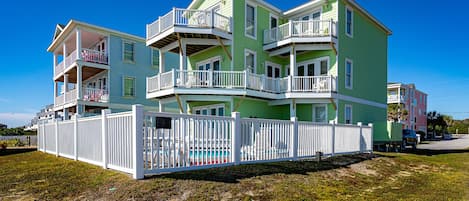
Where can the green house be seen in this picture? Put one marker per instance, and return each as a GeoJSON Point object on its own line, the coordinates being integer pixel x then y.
{"type": "Point", "coordinates": [323, 61]}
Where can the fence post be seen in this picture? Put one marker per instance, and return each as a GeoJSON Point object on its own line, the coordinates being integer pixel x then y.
{"type": "Point", "coordinates": [371, 138]}
{"type": "Point", "coordinates": [294, 138]}
{"type": "Point", "coordinates": [75, 136]}
{"type": "Point", "coordinates": [104, 135]}
{"type": "Point", "coordinates": [56, 138]}
{"type": "Point", "coordinates": [137, 139]}
{"type": "Point", "coordinates": [360, 141]}
{"type": "Point", "coordinates": [333, 137]}
{"type": "Point", "coordinates": [44, 136]}
{"type": "Point", "coordinates": [236, 138]}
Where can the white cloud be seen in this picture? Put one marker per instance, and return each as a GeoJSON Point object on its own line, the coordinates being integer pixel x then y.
{"type": "Point", "coordinates": [15, 119]}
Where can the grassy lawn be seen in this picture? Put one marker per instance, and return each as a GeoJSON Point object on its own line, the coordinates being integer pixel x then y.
{"type": "Point", "coordinates": [387, 176]}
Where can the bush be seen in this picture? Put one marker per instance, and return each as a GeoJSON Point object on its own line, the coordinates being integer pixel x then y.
{"type": "Point", "coordinates": [3, 145]}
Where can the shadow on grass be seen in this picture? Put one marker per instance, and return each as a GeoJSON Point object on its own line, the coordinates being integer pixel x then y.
{"type": "Point", "coordinates": [429, 152]}
{"type": "Point", "coordinates": [11, 151]}
{"type": "Point", "coordinates": [232, 174]}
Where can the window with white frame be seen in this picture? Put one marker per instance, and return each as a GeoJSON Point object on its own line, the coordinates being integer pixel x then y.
{"type": "Point", "coordinates": [349, 22]}
{"type": "Point", "coordinates": [250, 22]}
{"type": "Point", "coordinates": [155, 58]}
{"type": "Point", "coordinates": [348, 114]}
{"type": "Point", "coordinates": [128, 86]}
{"type": "Point", "coordinates": [348, 74]}
{"type": "Point", "coordinates": [250, 60]}
{"type": "Point", "coordinates": [272, 69]}
{"type": "Point", "coordinates": [320, 113]}
{"type": "Point", "coordinates": [128, 53]}
{"type": "Point", "coordinates": [210, 110]}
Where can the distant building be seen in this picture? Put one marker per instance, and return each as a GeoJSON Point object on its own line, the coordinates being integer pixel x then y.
{"type": "Point", "coordinates": [47, 113]}
{"type": "Point", "coordinates": [3, 126]}
{"type": "Point", "coordinates": [412, 100]}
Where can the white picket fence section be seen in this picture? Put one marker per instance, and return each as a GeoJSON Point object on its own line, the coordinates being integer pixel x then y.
{"type": "Point", "coordinates": [145, 143]}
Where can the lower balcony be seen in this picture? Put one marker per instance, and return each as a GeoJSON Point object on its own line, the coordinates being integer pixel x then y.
{"type": "Point", "coordinates": [241, 83]}
{"type": "Point", "coordinates": [90, 95]}
{"type": "Point", "coordinates": [395, 99]}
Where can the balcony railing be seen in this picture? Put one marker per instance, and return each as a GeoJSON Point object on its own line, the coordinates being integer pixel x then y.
{"type": "Point", "coordinates": [240, 80]}
{"type": "Point", "coordinates": [395, 98]}
{"type": "Point", "coordinates": [301, 29]}
{"type": "Point", "coordinates": [89, 94]}
{"type": "Point", "coordinates": [189, 18]}
{"type": "Point", "coordinates": [87, 55]}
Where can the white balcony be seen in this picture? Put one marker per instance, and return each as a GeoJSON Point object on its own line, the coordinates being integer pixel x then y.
{"type": "Point", "coordinates": [87, 55]}
{"type": "Point", "coordinates": [89, 95]}
{"type": "Point", "coordinates": [396, 99]}
{"type": "Point", "coordinates": [184, 23]}
{"type": "Point", "coordinates": [238, 83]}
{"type": "Point", "coordinates": [309, 31]}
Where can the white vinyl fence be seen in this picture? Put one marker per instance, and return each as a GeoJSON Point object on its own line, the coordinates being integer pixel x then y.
{"type": "Point", "coordinates": [144, 143]}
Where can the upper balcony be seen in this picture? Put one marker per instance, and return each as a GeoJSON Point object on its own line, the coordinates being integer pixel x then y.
{"type": "Point", "coordinates": [240, 83]}
{"type": "Point", "coordinates": [184, 23]}
{"type": "Point", "coordinates": [305, 32]}
{"type": "Point", "coordinates": [88, 48]}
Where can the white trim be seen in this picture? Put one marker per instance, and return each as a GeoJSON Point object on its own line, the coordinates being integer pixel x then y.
{"type": "Point", "coordinates": [347, 60]}
{"type": "Point", "coordinates": [314, 112]}
{"type": "Point", "coordinates": [123, 51]}
{"type": "Point", "coordinates": [345, 113]}
{"type": "Point", "coordinates": [123, 86]}
{"type": "Point", "coordinates": [245, 19]}
{"type": "Point", "coordinates": [270, 20]}
{"type": "Point", "coordinates": [274, 66]}
{"type": "Point", "coordinates": [255, 59]}
{"type": "Point", "coordinates": [208, 108]}
{"type": "Point", "coordinates": [348, 8]}
{"type": "Point", "coordinates": [210, 60]}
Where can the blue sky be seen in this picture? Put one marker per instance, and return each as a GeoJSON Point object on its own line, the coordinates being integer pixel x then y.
{"type": "Point", "coordinates": [428, 46]}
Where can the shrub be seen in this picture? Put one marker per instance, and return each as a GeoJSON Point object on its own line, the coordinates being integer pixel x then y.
{"type": "Point", "coordinates": [3, 145]}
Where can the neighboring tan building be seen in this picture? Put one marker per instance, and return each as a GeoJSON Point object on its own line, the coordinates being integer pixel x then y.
{"type": "Point", "coordinates": [412, 100]}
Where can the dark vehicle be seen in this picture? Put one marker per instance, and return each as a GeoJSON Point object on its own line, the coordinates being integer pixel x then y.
{"type": "Point", "coordinates": [409, 138]}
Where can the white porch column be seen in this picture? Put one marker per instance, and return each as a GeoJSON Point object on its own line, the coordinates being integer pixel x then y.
{"type": "Point", "coordinates": [292, 108]}
{"type": "Point", "coordinates": [292, 61]}
{"type": "Point", "coordinates": [55, 60]}
{"type": "Point", "coordinates": [162, 65]}
{"type": "Point", "coordinates": [78, 45]}
{"type": "Point", "coordinates": [55, 91]}
{"type": "Point", "coordinates": [183, 57]}
{"type": "Point", "coordinates": [65, 90]}
{"type": "Point", "coordinates": [79, 80]}
{"type": "Point", "coordinates": [160, 106]}
{"type": "Point", "coordinates": [64, 55]}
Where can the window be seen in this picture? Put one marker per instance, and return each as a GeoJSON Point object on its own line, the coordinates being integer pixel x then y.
{"type": "Point", "coordinates": [210, 110]}
{"type": "Point", "coordinates": [155, 58]}
{"type": "Point", "coordinates": [320, 114]}
{"type": "Point", "coordinates": [129, 87]}
{"type": "Point", "coordinates": [348, 74]}
{"type": "Point", "coordinates": [349, 22]}
{"type": "Point", "coordinates": [324, 67]}
{"type": "Point", "coordinates": [348, 114]}
{"type": "Point", "coordinates": [250, 60]}
{"type": "Point", "coordinates": [250, 25]}
{"type": "Point", "coordinates": [272, 70]}
{"type": "Point", "coordinates": [128, 52]}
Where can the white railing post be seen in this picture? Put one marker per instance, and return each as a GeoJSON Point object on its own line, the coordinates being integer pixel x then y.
{"type": "Point", "coordinates": [174, 16]}
{"type": "Point", "coordinates": [75, 137]}
{"type": "Point", "coordinates": [371, 137]}
{"type": "Point", "coordinates": [360, 141]}
{"type": "Point", "coordinates": [159, 24]}
{"type": "Point", "coordinates": [159, 81]}
{"type": "Point", "coordinates": [263, 82]}
{"type": "Point", "coordinates": [104, 135]}
{"type": "Point", "coordinates": [290, 28]}
{"type": "Point", "coordinates": [210, 78]}
{"type": "Point", "coordinates": [236, 138]}
{"type": "Point", "coordinates": [289, 84]}
{"type": "Point", "coordinates": [245, 79]}
{"type": "Point", "coordinates": [173, 72]}
{"type": "Point", "coordinates": [137, 140]}
{"type": "Point", "coordinates": [294, 138]}
{"type": "Point", "coordinates": [332, 137]}
{"type": "Point", "coordinates": [56, 138]}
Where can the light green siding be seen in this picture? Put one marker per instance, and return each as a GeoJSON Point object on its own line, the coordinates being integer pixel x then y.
{"type": "Point", "coordinates": [225, 6]}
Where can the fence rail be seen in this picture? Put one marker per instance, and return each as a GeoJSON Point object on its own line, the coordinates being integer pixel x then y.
{"type": "Point", "coordinates": [240, 79]}
{"type": "Point", "coordinates": [145, 143]}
